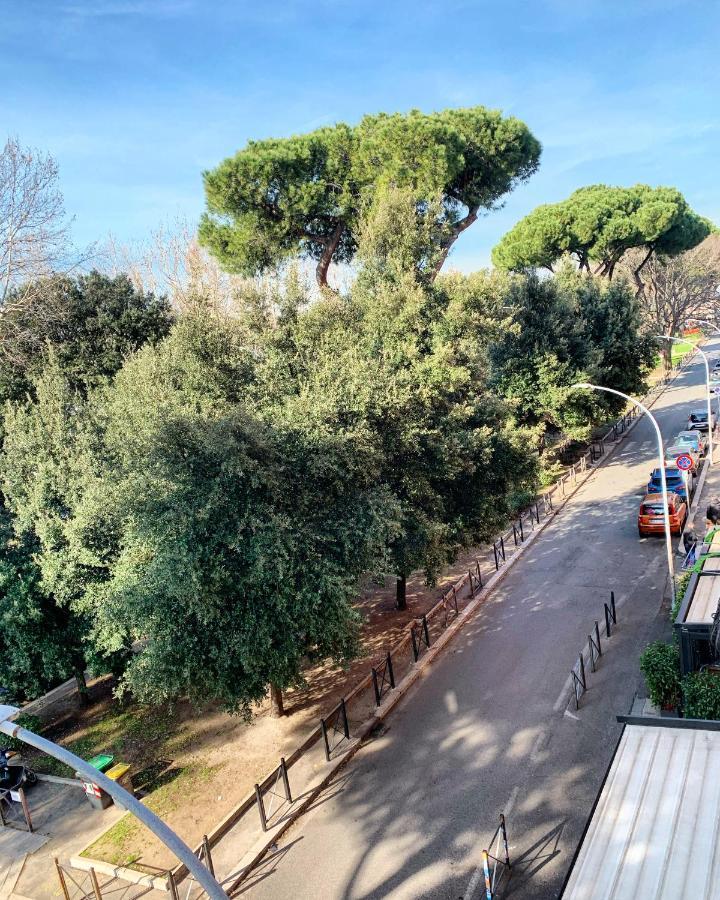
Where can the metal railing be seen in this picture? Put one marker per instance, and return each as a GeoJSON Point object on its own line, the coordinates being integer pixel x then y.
{"type": "Point", "coordinates": [335, 729]}
{"type": "Point", "coordinates": [266, 813]}
{"type": "Point", "coordinates": [383, 677]}
{"type": "Point", "coordinates": [578, 675]}
{"type": "Point", "coordinates": [84, 884]}
{"type": "Point", "coordinates": [500, 858]}
{"type": "Point", "coordinates": [14, 810]}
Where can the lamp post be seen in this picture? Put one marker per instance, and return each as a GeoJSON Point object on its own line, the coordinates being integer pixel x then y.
{"type": "Point", "coordinates": [715, 330]}
{"type": "Point", "coordinates": [181, 850]}
{"type": "Point", "coordinates": [661, 458]}
{"type": "Point", "coordinates": [669, 337]}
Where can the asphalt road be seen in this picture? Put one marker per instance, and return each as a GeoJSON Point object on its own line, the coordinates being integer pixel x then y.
{"type": "Point", "coordinates": [489, 729]}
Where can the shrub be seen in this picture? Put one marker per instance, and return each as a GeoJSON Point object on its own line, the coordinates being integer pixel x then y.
{"type": "Point", "coordinates": [660, 664]}
{"type": "Point", "coordinates": [701, 695]}
{"type": "Point", "coordinates": [680, 589]}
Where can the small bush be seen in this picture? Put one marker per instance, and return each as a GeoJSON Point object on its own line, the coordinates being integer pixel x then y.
{"type": "Point", "coordinates": [701, 695]}
{"type": "Point", "coordinates": [660, 664]}
{"type": "Point", "coordinates": [31, 723]}
{"type": "Point", "coordinates": [680, 589]}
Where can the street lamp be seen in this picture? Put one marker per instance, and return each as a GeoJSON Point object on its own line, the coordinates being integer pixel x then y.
{"type": "Point", "coordinates": [715, 329]}
{"type": "Point", "coordinates": [124, 798]}
{"type": "Point", "coordinates": [668, 337]}
{"type": "Point", "coordinates": [663, 480]}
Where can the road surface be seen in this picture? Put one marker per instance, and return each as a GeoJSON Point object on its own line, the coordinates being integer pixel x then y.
{"type": "Point", "coordinates": [489, 729]}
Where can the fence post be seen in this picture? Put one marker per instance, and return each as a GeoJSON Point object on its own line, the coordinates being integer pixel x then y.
{"type": "Point", "coordinates": [61, 877]}
{"type": "Point", "coordinates": [597, 636]}
{"type": "Point", "coordinates": [537, 512]}
{"type": "Point", "coordinates": [286, 780]}
{"type": "Point", "coordinates": [612, 607]}
{"type": "Point", "coordinates": [607, 621]}
{"type": "Point", "coordinates": [425, 629]}
{"type": "Point", "coordinates": [95, 885]}
{"type": "Point", "coordinates": [323, 727]}
{"type": "Point", "coordinates": [376, 686]}
{"type": "Point", "coordinates": [497, 565]}
{"type": "Point", "coordinates": [486, 871]}
{"type": "Point", "coordinates": [346, 724]}
{"type": "Point", "coordinates": [522, 534]}
{"type": "Point", "coordinates": [391, 674]}
{"type": "Point", "coordinates": [25, 808]}
{"type": "Point", "coordinates": [582, 672]}
{"type": "Point", "coordinates": [416, 651]}
{"type": "Point", "coordinates": [479, 573]}
{"type": "Point", "coordinates": [172, 887]}
{"type": "Point", "coordinates": [514, 534]}
{"type": "Point", "coordinates": [261, 804]}
{"type": "Point", "coordinates": [502, 547]}
{"type": "Point", "coordinates": [505, 839]}
{"type": "Point", "coordinates": [208, 855]}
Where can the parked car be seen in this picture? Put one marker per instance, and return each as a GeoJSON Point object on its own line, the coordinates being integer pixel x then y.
{"type": "Point", "coordinates": [698, 440]}
{"type": "Point", "coordinates": [651, 516]}
{"type": "Point", "coordinates": [675, 482]}
{"type": "Point", "coordinates": [699, 420]}
{"type": "Point", "coordinates": [672, 453]}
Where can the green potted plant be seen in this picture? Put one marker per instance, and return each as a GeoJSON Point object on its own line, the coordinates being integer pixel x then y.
{"type": "Point", "coordinates": [701, 695]}
{"type": "Point", "coordinates": [660, 664]}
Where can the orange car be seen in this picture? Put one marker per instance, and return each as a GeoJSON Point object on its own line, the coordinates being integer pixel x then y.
{"type": "Point", "coordinates": [651, 518]}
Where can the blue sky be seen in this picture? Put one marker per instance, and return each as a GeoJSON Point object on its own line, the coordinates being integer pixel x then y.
{"type": "Point", "coordinates": [135, 98]}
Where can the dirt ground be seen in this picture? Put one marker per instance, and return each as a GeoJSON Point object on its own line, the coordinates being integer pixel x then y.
{"type": "Point", "coordinates": [194, 765]}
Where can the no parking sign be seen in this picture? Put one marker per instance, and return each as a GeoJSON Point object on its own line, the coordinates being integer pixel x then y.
{"type": "Point", "coordinates": [684, 462]}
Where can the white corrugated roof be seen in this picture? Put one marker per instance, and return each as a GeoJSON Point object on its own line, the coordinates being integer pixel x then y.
{"type": "Point", "coordinates": [655, 833]}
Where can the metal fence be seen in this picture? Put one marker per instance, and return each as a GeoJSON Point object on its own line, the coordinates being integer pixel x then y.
{"type": "Point", "coordinates": [14, 810]}
{"type": "Point", "coordinates": [578, 674]}
{"type": "Point", "coordinates": [496, 864]}
{"type": "Point", "coordinates": [277, 800]}
{"type": "Point", "coordinates": [84, 884]}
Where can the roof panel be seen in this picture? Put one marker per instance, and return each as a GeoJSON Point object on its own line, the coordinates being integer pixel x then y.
{"type": "Point", "coordinates": [655, 832]}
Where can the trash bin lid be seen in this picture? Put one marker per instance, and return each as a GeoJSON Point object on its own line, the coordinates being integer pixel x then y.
{"type": "Point", "coordinates": [117, 771]}
{"type": "Point", "coordinates": [101, 761]}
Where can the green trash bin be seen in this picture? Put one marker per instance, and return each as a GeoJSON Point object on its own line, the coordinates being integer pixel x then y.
{"type": "Point", "coordinates": [97, 797]}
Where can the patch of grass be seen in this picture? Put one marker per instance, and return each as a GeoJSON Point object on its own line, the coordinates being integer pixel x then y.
{"type": "Point", "coordinates": [119, 844]}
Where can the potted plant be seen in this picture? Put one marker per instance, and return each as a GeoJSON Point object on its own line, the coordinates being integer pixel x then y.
{"type": "Point", "coordinates": [701, 695]}
{"type": "Point", "coordinates": [660, 664]}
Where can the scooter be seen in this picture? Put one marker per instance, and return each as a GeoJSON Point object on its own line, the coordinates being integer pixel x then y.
{"type": "Point", "coordinates": [14, 777]}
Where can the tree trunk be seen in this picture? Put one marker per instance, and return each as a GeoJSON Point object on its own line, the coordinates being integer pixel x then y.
{"type": "Point", "coordinates": [401, 592]}
{"type": "Point", "coordinates": [82, 687]}
{"type": "Point", "coordinates": [454, 235]}
{"type": "Point", "coordinates": [331, 246]}
{"type": "Point", "coordinates": [667, 356]}
{"type": "Point", "coordinates": [276, 702]}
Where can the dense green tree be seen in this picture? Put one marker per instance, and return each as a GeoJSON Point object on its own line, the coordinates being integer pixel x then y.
{"type": "Point", "coordinates": [168, 511]}
{"type": "Point", "coordinates": [40, 643]}
{"type": "Point", "coordinates": [278, 199]}
{"type": "Point", "coordinates": [598, 225]}
{"type": "Point", "coordinates": [91, 323]}
{"type": "Point", "coordinates": [397, 360]}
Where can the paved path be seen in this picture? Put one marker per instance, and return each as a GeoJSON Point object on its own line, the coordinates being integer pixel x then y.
{"type": "Point", "coordinates": [489, 729]}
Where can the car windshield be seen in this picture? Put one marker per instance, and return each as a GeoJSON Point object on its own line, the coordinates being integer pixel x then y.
{"type": "Point", "coordinates": [688, 437]}
{"type": "Point", "coordinates": [698, 417]}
